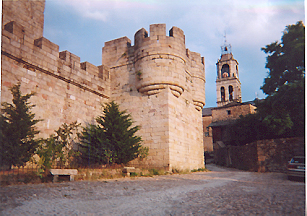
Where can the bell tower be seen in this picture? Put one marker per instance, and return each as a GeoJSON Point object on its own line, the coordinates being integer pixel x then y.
{"type": "Point", "coordinates": [228, 85]}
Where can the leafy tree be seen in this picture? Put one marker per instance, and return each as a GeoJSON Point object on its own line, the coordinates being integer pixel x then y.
{"type": "Point", "coordinates": [18, 129]}
{"type": "Point", "coordinates": [58, 149]}
{"type": "Point", "coordinates": [283, 109]}
{"type": "Point", "coordinates": [286, 60]}
{"type": "Point", "coordinates": [282, 112]}
{"type": "Point", "coordinates": [112, 140]}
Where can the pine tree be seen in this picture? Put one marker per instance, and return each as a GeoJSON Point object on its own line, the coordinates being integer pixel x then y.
{"type": "Point", "coordinates": [113, 139]}
{"type": "Point", "coordinates": [18, 132]}
{"type": "Point", "coordinates": [92, 146]}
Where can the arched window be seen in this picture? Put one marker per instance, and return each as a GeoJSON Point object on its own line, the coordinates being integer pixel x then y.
{"type": "Point", "coordinates": [222, 93]}
{"type": "Point", "coordinates": [225, 70]}
{"type": "Point", "coordinates": [230, 90]}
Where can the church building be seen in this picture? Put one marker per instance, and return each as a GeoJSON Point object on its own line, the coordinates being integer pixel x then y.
{"type": "Point", "coordinates": [218, 120]}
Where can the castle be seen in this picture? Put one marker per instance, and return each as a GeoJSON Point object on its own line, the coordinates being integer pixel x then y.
{"type": "Point", "coordinates": [157, 80]}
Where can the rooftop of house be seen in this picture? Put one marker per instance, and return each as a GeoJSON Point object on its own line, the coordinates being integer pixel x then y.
{"type": "Point", "coordinates": [207, 111]}
{"type": "Point", "coordinates": [235, 103]}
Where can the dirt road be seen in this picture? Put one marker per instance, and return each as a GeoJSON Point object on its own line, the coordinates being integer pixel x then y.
{"type": "Point", "coordinates": [221, 191]}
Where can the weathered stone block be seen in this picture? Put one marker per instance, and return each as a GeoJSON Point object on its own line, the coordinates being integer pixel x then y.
{"type": "Point", "coordinates": [46, 45]}
{"type": "Point", "coordinates": [15, 28]}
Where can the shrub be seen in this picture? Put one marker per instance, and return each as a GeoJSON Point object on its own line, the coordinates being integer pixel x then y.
{"type": "Point", "coordinates": [112, 140]}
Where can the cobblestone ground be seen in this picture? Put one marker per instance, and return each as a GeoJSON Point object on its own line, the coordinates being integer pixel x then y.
{"type": "Point", "coordinates": [221, 191]}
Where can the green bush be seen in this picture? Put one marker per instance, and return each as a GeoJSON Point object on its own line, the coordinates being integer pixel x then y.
{"type": "Point", "coordinates": [57, 149]}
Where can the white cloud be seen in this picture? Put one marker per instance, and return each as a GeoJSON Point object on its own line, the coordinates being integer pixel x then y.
{"type": "Point", "coordinates": [97, 15]}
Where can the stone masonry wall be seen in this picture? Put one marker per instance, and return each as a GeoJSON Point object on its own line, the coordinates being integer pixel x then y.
{"type": "Point", "coordinates": [27, 15]}
{"type": "Point", "coordinates": [270, 155]}
{"type": "Point", "coordinates": [274, 154]}
{"type": "Point", "coordinates": [208, 143]}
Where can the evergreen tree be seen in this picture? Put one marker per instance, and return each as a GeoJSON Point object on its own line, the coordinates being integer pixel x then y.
{"type": "Point", "coordinates": [17, 129]}
{"type": "Point", "coordinates": [92, 145]}
{"type": "Point", "coordinates": [113, 139]}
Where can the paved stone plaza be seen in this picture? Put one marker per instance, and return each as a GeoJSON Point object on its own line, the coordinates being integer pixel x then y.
{"type": "Point", "coordinates": [221, 191]}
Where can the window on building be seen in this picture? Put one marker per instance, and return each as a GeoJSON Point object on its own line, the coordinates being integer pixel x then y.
{"type": "Point", "coordinates": [230, 90]}
{"type": "Point", "coordinates": [222, 93]}
{"type": "Point", "coordinates": [225, 71]}
{"type": "Point", "coordinates": [228, 112]}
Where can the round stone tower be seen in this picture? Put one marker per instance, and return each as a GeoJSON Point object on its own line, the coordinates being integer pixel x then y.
{"type": "Point", "coordinates": [162, 61]}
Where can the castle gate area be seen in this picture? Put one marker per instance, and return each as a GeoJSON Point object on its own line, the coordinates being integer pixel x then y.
{"type": "Point", "coordinates": [222, 191]}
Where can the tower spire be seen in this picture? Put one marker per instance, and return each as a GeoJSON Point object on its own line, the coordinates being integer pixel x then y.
{"type": "Point", "coordinates": [226, 48]}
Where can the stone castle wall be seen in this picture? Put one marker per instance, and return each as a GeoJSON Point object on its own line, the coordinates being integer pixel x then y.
{"type": "Point", "coordinates": [158, 81]}
{"type": "Point", "coordinates": [66, 90]}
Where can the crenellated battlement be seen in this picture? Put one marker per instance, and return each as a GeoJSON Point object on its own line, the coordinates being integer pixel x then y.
{"type": "Point", "coordinates": [43, 55]}
{"type": "Point", "coordinates": [159, 62]}
{"type": "Point", "coordinates": [174, 43]}
{"type": "Point", "coordinates": [158, 32]}
{"type": "Point", "coordinates": [116, 51]}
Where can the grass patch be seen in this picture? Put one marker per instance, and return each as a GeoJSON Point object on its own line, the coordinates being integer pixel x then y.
{"type": "Point", "coordinates": [157, 171]}
{"type": "Point", "coordinates": [90, 175]}
{"type": "Point", "coordinates": [200, 170]}
{"type": "Point", "coordinates": [133, 174]}
{"type": "Point", "coordinates": [23, 178]}
{"type": "Point", "coordinates": [179, 171]}
{"type": "Point", "coordinates": [97, 174]}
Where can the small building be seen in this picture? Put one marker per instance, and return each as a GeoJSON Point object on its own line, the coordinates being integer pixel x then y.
{"type": "Point", "coordinates": [207, 120]}
{"type": "Point", "coordinates": [222, 119]}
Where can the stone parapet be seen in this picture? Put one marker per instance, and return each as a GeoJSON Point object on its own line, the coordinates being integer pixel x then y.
{"type": "Point", "coordinates": [115, 53]}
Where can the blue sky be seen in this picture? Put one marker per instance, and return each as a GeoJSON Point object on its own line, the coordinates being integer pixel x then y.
{"type": "Point", "coordinates": [83, 26]}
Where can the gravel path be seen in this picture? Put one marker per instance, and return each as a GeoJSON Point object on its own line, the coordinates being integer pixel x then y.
{"type": "Point", "coordinates": [222, 191]}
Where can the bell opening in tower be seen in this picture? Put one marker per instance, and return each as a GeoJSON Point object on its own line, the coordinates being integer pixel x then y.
{"type": "Point", "coordinates": [225, 71]}
{"type": "Point", "coordinates": [230, 90]}
{"type": "Point", "coordinates": [222, 94]}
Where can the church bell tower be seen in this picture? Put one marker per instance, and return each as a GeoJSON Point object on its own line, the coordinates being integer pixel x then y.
{"type": "Point", "coordinates": [228, 86]}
